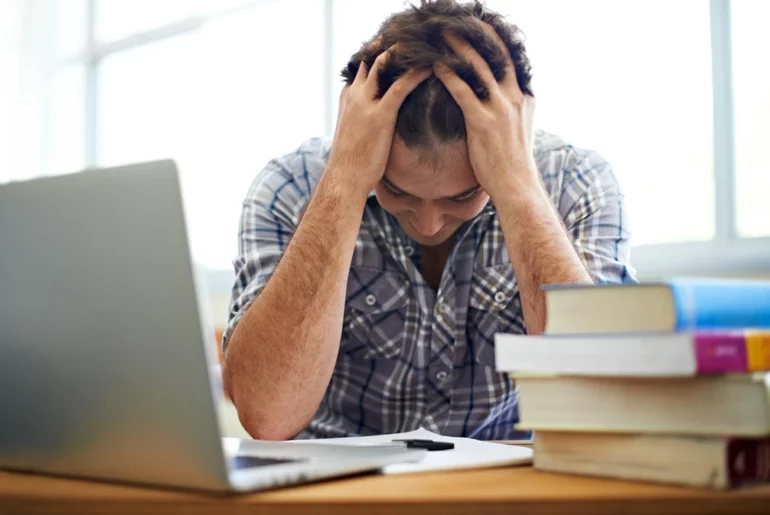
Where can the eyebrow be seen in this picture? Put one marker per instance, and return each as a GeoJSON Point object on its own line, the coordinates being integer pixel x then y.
{"type": "Point", "coordinates": [460, 195]}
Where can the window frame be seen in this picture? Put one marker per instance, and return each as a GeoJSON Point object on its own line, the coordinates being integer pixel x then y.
{"type": "Point", "coordinates": [726, 254]}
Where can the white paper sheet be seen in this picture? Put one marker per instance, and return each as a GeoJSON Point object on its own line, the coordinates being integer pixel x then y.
{"type": "Point", "coordinates": [467, 454]}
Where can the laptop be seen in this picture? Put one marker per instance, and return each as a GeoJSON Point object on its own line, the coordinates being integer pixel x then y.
{"type": "Point", "coordinates": [105, 358]}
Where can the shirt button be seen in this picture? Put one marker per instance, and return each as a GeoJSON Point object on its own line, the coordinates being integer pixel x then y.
{"type": "Point", "coordinates": [443, 308]}
{"type": "Point", "coordinates": [499, 297]}
{"type": "Point", "coordinates": [441, 375]}
{"type": "Point", "coordinates": [371, 300]}
{"type": "Point", "coordinates": [409, 251]}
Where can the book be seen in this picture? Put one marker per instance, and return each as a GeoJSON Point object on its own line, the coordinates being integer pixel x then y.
{"type": "Point", "coordinates": [635, 354]}
{"type": "Point", "coordinates": [734, 405]}
{"type": "Point", "coordinates": [677, 305]}
{"type": "Point", "coordinates": [710, 462]}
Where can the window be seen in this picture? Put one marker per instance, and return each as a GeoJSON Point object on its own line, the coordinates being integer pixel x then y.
{"type": "Point", "coordinates": [220, 101]}
{"type": "Point", "coordinates": [42, 93]}
{"type": "Point", "coordinates": [672, 94]}
{"type": "Point", "coordinates": [624, 80]}
{"type": "Point", "coordinates": [65, 132]}
{"type": "Point", "coordinates": [117, 19]}
{"type": "Point", "coordinates": [751, 86]}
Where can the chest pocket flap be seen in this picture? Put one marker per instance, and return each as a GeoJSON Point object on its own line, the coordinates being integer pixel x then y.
{"type": "Point", "coordinates": [496, 308]}
{"type": "Point", "coordinates": [375, 313]}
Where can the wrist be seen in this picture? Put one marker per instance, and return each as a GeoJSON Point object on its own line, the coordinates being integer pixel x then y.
{"type": "Point", "coordinates": [346, 185]}
{"type": "Point", "coordinates": [526, 204]}
{"type": "Point", "coordinates": [521, 186]}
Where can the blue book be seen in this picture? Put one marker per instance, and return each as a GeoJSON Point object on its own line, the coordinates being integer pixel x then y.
{"type": "Point", "coordinates": [676, 305]}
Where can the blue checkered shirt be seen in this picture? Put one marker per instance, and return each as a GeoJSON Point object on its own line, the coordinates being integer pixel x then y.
{"type": "Point", "coordinates": [411, 356]}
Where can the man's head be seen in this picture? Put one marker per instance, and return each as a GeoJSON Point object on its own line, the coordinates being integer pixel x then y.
{"type": "Point", "coordinates": [429, 185]}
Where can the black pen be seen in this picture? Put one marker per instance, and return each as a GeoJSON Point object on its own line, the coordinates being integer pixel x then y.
{"type": "Point", "coordinates": [430, 445]}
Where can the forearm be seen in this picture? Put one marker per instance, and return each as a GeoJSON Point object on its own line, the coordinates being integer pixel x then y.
{"type": "Point", "coordinates": [540, 249]}
{"type": "Point", "coordinates": [282, 353]}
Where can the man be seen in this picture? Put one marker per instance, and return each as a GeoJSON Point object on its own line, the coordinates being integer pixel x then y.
{"type": "Point", "coordinates": [374, 271]}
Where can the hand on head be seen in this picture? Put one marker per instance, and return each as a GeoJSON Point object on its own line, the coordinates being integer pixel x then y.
{"type": "Point", "coordinates": [365, 123]}
{"type": "Point", "coordinates": [474, 97]}
{"type": "Point", "coordinates": [499, 128]}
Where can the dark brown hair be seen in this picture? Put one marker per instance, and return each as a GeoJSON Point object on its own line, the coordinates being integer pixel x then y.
{"type": "Point", "coordinates": [430, 114]}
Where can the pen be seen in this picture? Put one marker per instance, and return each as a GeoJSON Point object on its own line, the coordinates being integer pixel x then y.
{"type": "Point", "coordinates": [426, 444]}
{"type": "Point", "coordinates": [429, 445]}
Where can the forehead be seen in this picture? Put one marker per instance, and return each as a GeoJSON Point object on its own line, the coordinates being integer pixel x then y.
{"type": "Point", "coordinates": [441, 166]}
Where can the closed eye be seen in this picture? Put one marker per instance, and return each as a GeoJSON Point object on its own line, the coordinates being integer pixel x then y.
{"type": "Point", "coordinates": [466, 198]}
{"type": "Point", "coordinates": [392, 192]}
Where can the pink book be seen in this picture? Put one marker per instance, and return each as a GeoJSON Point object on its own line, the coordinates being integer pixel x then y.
{"type": "Point", "coordinates": [635, 354]}
{"type": "Point", "coordinates": [732, 352]}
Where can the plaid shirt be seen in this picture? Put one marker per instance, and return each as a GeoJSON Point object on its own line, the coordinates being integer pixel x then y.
{"type": "Point", "coordinates": [412, 356]}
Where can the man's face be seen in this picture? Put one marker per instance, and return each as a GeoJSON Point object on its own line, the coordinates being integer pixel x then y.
{"type": "Point", "coordinates": [430, 191]}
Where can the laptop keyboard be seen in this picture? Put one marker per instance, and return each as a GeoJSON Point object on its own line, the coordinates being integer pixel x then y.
{"type": "Point", "coordinates": [247, 462]}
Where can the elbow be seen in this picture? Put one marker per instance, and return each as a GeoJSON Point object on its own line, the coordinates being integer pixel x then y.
{"type": "Point", "coordinates": [227, 376]}
{"type": "Point", "coordinates": [259, 417]}
{"type": "Point", "coordinates": [270, 424]}
{"type": "Point", "coordinates": [260, 428]}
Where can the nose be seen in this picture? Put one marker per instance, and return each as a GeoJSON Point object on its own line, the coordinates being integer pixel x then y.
{"type": "Point", "coordinates": [428, 220]}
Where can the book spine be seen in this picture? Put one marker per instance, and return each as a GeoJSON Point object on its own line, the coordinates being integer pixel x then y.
{"type": "Point", "coordinates": [748, 462]}
{"type": "Point", "coordinates": [758, 351]}
{"type": "Point", "coordinates": [709, 305]}
{"type": "Point", "coordinates": [720, 353]}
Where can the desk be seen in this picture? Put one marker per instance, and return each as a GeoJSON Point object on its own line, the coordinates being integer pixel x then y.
{"type": "Point", "coordinates": [517, 491]}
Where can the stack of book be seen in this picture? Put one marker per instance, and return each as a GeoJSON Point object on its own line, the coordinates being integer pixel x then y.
{"type": "Point", "coordinates": [651, 382]}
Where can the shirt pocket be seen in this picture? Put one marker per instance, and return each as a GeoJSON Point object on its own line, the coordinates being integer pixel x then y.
{"type": "Point", "coordinates": [375, 314]}
{"type": "Point", "coordinates": [494, 307]}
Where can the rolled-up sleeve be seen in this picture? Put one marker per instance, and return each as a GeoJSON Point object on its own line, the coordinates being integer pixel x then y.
{"type": "Point", "coordinates": [596, 218]}
{"type": "Point", "coordinates": [269, 217]}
